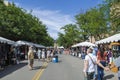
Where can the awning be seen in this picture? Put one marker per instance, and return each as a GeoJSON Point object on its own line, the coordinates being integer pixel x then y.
{"type": "Point", "coordinates": [4, 40]}
{"type": "Point", "coordinates": [114, 38]}
{"type": "Point", "coordinates": [61, 47]}
{"type": "Point", "coordinates": [88, 44]}
{"type": "Point", "coordinates": [20, 42]}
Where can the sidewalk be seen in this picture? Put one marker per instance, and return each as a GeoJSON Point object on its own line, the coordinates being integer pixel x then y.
{"type": "Point", "coordinates": [20, 71]}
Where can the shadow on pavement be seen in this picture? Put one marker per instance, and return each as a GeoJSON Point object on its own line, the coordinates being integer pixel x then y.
{"type": "Point", "coordinates": [108, 76]}
{"type": "Point", "coordinates": [37, 67]}
{"type": "Point", "coordinates": [9, 69]}
{"type": "Point", "coordinates": [59, 61]}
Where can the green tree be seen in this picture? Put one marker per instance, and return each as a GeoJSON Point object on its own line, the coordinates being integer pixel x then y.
{"type": "Point", "coordinates": [92, 23]}
{"type": "Point", "coordinates": [17, 24]}
{"type": "Point", "coordinates": [111, 10]}
{"type": "Point", "coordinates": [115, 16]}
{"type": "Point", "coordinates": [70, 37]}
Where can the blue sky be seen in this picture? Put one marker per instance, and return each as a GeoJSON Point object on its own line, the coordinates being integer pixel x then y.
{"type": "Point", "coordinates": [56, 13]}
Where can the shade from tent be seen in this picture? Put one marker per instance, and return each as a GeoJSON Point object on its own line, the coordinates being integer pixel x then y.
{"type": "Point", "coordinates": [114, 38]}
{"type": "Point", "coordinates": [88, 44]}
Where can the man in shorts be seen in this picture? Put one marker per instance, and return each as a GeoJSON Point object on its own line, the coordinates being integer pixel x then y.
{"type": "Point", "coordinates": [30, 58]}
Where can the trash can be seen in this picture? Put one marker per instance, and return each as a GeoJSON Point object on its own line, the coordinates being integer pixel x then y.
{"type": "Point", "coordinates": [55, 59]}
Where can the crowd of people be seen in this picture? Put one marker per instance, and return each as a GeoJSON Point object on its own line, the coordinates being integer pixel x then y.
{"type": "Point", "coordinates": [94, 65]}
{"type": "Point", "coordinates": [96, 60]}
{"type": "Point", "coordinates": [41, 54]}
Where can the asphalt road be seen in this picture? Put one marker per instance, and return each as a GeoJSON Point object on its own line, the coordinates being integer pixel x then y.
{"type": "Point", "coordinates": [68, 68]}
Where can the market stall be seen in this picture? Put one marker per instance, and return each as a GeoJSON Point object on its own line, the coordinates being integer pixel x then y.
{"type": "Point", "coordinates": [5, 49]}
{"type": "Point", "coordinates": [23, 45]}
{"type": "Point", "coordinates": [113, 42]}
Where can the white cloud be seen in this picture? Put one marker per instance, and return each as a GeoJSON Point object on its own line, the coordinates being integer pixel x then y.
{"type": "Point", "coordinates": [54, 20]}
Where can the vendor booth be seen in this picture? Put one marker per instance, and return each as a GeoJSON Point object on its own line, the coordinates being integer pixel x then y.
{"type": "Point", "coordinates": [6, 57]}
{"type": "Point", "coordinates": [80, 49]}
{"type": "Point", "coordinates": [23, 45]}
{"type": "Point", "coordinates": [113, 42]}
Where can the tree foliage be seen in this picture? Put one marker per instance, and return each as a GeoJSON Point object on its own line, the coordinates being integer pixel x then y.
{"type": "Point", "coordinates": [111, 8]}
{"type": "Point", "coordinates": [17, 24]}
{"type": "Point", "coordinates": [70, 36]}
{"type": "Point", "coordinates": [97, 22]}
{"type": "Point", "coordinates": [115, 16]}
{"type": "Point", "coordinates": [92, 23]}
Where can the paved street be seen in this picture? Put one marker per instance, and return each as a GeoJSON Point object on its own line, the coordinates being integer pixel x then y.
{"type": "Point", "coordinates": [68, 68]}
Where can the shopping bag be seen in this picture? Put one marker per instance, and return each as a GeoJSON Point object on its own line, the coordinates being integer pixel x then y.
{"type": "Point", "coordinates": [113, 68]}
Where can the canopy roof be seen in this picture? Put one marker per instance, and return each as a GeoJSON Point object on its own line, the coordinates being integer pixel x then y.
{"type": "Point", "coordinates": [20, 42]}
{"type": "Point", "coordinates": [88, 44]}
{"type": "Point", "coordinates": [61, 47]}
{"type": "Point", "coordinates": [114, 38]}
{"type": "Point", "coordinates": [4, 40]}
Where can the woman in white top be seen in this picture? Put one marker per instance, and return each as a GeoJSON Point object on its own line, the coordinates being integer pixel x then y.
{"type": "Point", "coordinates": [43, 55]}
{"type": "Point", "coordinates": [48, 55]}
{"type": "Point", "coordinates": [39, 54]}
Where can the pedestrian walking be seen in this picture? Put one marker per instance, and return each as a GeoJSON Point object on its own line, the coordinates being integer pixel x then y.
{"type": "Point", "coordinates": [30, 58]}
{"type": "Point", "coordinates": [51, 54]}
{"type": "Point", "coordinates": [39, 54]}
{"type": "Point", "coordinates": [48, 55]}
{"type": "Point", "coordinates": [89, 65]}
{"type": "Point", "coordinates": [18, 55]}
{"type": "Point", "coordinates": [101, 56]}
{"type": "Point", "coordinates": [43, 55]}
{"type": "Point", "coordinates": [94, 52]}
{"type": "Point", "coordinates": [109, 56]}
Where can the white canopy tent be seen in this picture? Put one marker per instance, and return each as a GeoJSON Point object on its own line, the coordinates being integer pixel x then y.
{"type": "Point", "coordinates": [39, 46]}
{"type": "Point", "coordinates": [19, 43]}
{"type": "Point", "coordinates": [114, 38]}
{"type": "Point", "coordinates": [4, 40]}
{"type": "Point", "coordinates": [61, 47]}
{"type": "Point", "coordinates": [88, 44]}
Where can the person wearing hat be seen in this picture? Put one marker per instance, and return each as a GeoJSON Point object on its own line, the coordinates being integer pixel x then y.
{"type": "Point", "coordinates": [89, 65]}
{"type": "Point", "coordinates": [30, 58]}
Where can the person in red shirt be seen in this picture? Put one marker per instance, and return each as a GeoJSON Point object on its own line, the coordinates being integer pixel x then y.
{"type": "Point", "coordinates": [101, 57]}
